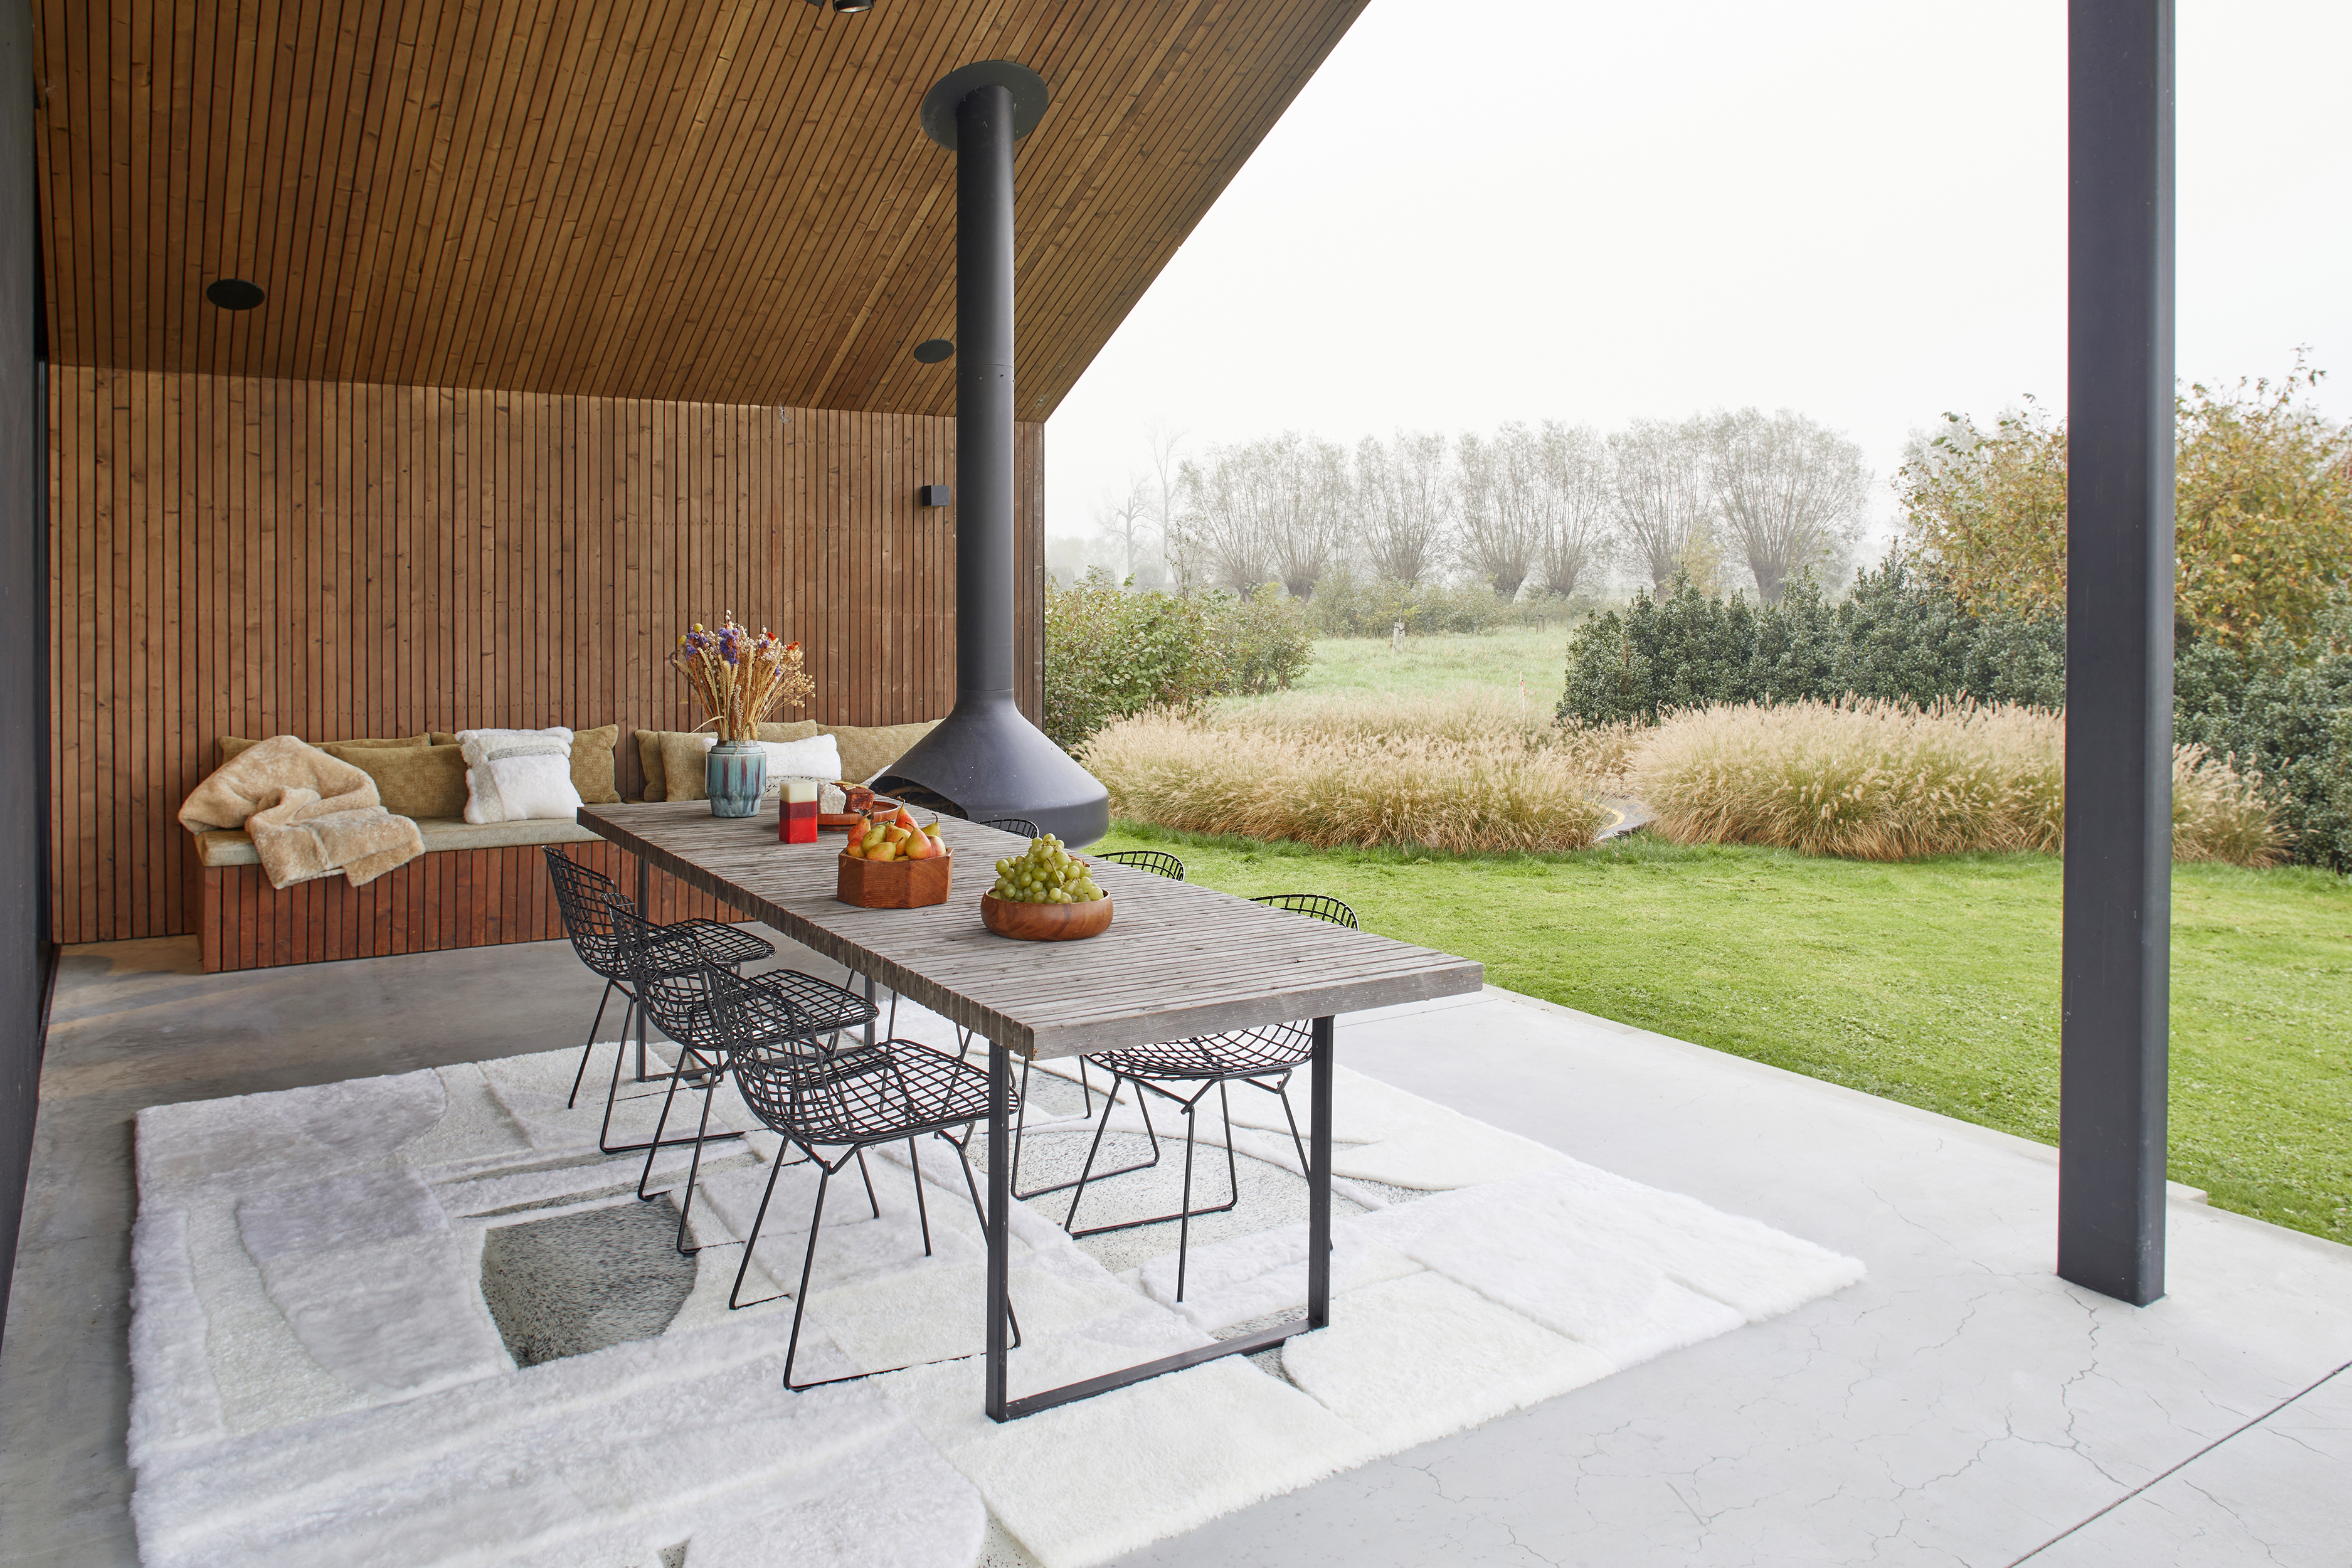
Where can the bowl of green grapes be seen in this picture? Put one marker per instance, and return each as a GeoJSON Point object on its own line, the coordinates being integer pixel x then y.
{"type": "Point", "coordinates": [1045, 894]}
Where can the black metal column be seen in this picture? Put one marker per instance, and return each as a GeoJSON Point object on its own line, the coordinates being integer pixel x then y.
{"type": "Point", "coordinates": [984, 391]}
{"type": "Point", "coordinates": [2119, 590]}
{"type": "Point", "coordinates": [1000, 1231]}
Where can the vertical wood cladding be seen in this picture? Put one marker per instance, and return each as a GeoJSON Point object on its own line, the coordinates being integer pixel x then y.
{"type": "Point", "coordinates": [241, 556]}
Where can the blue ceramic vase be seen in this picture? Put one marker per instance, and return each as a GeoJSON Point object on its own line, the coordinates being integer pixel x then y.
{"type": "Point", "coordinates": [734, 776]}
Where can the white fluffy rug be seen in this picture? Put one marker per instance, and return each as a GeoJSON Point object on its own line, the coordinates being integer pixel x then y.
{"type": "Point", "coordinates": [419, 1320]}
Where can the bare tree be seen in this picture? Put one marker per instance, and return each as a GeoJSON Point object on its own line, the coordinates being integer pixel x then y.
{"type": "Point", "coordinates": [1789, 490]}
{"type": "Point", "coordinates": [1163, 443]}
{"type": "Point", "coordinates": [1127, 524]}
{"type": "Point", "coordinates": [1571, 485]}
{"type": "Point", "coordinates": [1221, 530]}
{"type": "Point", "coordinates": [1306, 502]}
{"type": "Point", "coordinates": [1657, 488]}
{"type": "Point", "coordinates": [1503, 506]}
{"type": "Point", "coordinates": [1405, 503]}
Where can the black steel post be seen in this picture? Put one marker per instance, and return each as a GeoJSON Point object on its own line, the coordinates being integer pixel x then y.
{"type": "Point", "coordinates": [984, 138]}
{"type": "Point", "coordinates": [1000, 1229]}
{"type": "Point", "coordinates": [1318, 1180]}
{"type": "Point", "coordinates": [2119, 591]}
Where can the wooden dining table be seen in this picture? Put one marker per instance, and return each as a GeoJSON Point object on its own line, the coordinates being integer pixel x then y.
{"type": "Point", "coordinates": [1178, 961]}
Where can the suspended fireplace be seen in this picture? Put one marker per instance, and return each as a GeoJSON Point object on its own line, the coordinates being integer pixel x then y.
{"type": "Point", "coordinates": [985, 761]}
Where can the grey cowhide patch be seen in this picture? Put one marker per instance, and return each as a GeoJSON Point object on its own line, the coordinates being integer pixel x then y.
{"type": "Point", "coordinates": [581, 1282]}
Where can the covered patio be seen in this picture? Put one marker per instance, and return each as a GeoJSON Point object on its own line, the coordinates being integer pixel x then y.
{"type": "Point", "coordinates": [414, 370]}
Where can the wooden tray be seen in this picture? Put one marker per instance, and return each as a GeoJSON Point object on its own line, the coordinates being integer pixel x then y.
{"type": "Point", "coordinates": [1043, 922]}
{"type": "Point", "coordinates": [894, 884]}
{"type": "Point", "coordinates": [837, 821]}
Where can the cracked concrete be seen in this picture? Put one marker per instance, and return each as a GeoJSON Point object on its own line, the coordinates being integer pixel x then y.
{"type": "Point", "coordinates": [1959, 1406]}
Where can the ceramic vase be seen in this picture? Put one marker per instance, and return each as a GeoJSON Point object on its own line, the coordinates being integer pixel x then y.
{"type": "Point", "coordinates": [734, 776]}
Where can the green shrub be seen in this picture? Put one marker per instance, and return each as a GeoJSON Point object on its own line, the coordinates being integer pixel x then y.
{"type": "Point", "coordinates": [1112, 652]}
{"type": "Point", "coordinates": [2286, 713]}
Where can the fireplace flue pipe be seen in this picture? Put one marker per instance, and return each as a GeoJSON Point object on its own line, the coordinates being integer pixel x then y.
{"type": "Point", "coordinates": [986, 761]}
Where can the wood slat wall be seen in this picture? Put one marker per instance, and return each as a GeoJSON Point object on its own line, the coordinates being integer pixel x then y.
{"type": "Point", "coordinates": [242, 556]}
{"type": "Point", "coordinates": [728, 200]}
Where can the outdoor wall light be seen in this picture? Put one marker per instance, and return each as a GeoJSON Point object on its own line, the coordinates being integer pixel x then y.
{"type": "Point", "coordinates": [930, 351]}
{"type": "Point", "coordinates": [847, 7]}
{"type": "Point", "coordinates": [930, 495]}
{"type": "Point", "coordinates": [233, 293]}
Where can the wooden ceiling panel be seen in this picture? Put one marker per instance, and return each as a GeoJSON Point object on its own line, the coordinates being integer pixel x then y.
{"type": "Point", "coordinates": [714, 200]}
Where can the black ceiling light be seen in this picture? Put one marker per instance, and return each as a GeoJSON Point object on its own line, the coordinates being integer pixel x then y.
{"type": "Point", "coordinates": [233, 293]}
{"type": "Point", "coordinates": [847, 7]}
{"type": "Point", "coordinates": [930, 351]}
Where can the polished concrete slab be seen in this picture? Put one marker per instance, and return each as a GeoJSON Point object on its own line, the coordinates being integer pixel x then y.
{"type": "Point", "coordinates": [1961, 1405]}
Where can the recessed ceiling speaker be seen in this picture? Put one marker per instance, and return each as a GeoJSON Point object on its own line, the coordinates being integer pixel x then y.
{"type": "Point", "coordinates": [233, 293]}
{"type": "Point", "coordinates": [930, 351]}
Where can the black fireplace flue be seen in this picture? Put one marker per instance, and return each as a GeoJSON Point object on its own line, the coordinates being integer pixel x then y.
{"type": "Point", "coordinates": [985, 761]}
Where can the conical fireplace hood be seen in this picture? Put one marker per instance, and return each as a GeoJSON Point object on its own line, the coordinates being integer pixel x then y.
{"type": "Point", "coordinates": [985, 761]}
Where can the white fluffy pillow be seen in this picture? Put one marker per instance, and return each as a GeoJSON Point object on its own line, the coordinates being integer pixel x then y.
{"type": "Point", "coordinates": [818, 758]}
{"type": "Point", "coordinates": [517, 775]}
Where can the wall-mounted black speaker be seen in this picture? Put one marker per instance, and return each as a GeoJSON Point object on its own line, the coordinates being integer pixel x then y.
{"type": "Point", "coordinates": [930, 495]}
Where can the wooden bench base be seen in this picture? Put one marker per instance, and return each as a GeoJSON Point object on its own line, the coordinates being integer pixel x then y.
{"type": "Point", "coordinates": [448, 899]}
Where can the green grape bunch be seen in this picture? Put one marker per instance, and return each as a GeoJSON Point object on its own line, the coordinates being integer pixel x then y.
{"type": "Point", "coordinates": [1046, 873]}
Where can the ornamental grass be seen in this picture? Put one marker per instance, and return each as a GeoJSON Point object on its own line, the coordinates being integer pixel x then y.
{"type": "Point", "coordinates": [1885, 781]}
{"type": "Point", "coordinates": [1319, 775]}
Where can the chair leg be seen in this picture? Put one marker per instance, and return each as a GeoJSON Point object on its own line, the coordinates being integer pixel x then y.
{"type": "Point", "coordinates": [1187, 1212]}
{"type": "Point", "coordinates": [1086, 1172]}
{"type": "Point", "coordinates": [979, 1211]}
{"type": "Point", "coordinates": [735, 1303]}
{"type": "Point", "coordinates": [800, 1297]}
{"type": "Point", "coordinates": [589, 1049]}
{"type": "Point", "coordinates": [922, 1209]}
{"type": "Point", "coordinates": [1110, 1097]}
{"type": "Point", "coordinates": [694, 1168]}
{"type": "Point", "coordinates": [874, 1201]}
{"type": "Point", "coordinates": [660, 1125]}
{"type": "Point", "coordinates": [1185, 1206]}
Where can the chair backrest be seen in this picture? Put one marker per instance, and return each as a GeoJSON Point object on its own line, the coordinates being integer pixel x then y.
{"type": "Point", "coordinates": [1322, 907]}
{"type": "Point", "coordinates": [1020, 825]}
{"type": "Point", "coordinates": [586, 900]}
{"type": "Point", "coordinates": [1159, 862]}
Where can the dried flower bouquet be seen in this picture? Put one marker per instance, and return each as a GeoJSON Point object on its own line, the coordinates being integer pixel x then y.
{"type": "Point", "coordinates": [739, 679]}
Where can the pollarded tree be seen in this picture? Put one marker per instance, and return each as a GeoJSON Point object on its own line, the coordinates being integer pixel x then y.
{"type": "Point", "coordinates": [1404, 505]}
{"type": "Point", "coordinates": [1307, 504]}
{"type": "Point", "coordinates": [1219, 533]}
{"type": "Point", "coordinates": [1788, 491]}
{"type": "Point", "coordinates": [1657, 488]}
{"type": "Point", "coordinates": [1126, 524]}
{"type": "Point", "coordinates": [1502, 506]}
{"type": "Point", "coordinates": [1571, 479]}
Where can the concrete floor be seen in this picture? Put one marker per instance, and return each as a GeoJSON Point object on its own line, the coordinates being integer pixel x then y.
{"type": "Point", "coordinates": [1961, 1405]}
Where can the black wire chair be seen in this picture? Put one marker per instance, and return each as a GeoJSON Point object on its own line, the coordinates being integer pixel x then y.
{"type": "Point", "coordinates": [1159, 862]}
{"type": "Point", "coordinates": [818, 1096]}
{"type": "Point", "coordinates": [1262, 1057]}
{"type": "Point", "coordinates": [1020, 825]}
{"type": "Point", "coordinates": [677, 996]}
{"type": "Point", "coordinates": [586, 900]}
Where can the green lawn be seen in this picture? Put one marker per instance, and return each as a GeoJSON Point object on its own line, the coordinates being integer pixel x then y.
{"type": "Point", "coordinates": [1934, 982]}
{"type": "Point", "coordinates": [1501, 659]}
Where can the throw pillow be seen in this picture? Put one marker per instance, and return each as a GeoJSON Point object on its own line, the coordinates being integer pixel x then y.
{"type": "Point", "coordinates": [652, 758]}
{"type": "Point", "coordinates": [818, 758]}
{"type": "Point", "coordinates": [649, 763]}
{"type": "Point", "coordinates": [534, 786]}
{"type": "Point", "coordinates": [485, 799]}
{"type": "Point", "coordinates": [682, 751]}
{"type": "Point", "coordinates": [798, 729]}
{"type": "Point", "coordinates": [869, 750]}
{"type": "Point", "coordinates": [417, 781]}
{"type": "Point", "coordinates": [230, 745]}
{"type": "Point", "coordinates": [592, 764]}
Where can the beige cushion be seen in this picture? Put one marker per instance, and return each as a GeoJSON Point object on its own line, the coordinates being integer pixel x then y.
{"type": "Point", "coordinates": [678, 755]}
{"type": "Point", "coordinates": [592, 764]}
{"type": "Point", "coordinates": [229, 848]}
{"type": "Point", "coordinates": [867, 750]}
{"type": "Point", "coordinates": [230, 745]}
{"type": "Point", "coordinates": [419, 782]}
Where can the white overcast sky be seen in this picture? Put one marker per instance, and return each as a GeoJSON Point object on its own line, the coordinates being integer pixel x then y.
{"type": "Point", "coordinates": [1565, 209]}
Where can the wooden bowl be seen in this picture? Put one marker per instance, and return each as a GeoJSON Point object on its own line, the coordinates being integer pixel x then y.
{"type": "Point", "coordinates": [894, 884]}
{"type": "Point", "coordinates": [1044, 922]}
{"type": "Point", "coordinates": [837, 821]}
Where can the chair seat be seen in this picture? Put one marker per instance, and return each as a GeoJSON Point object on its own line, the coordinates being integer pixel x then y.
{"type": "Point", "coordinates": [867, 1094]}
{"type": "Point", "coordinates": [1244, 1053]}
{"type": "Point", "coordinates": [724, 943]}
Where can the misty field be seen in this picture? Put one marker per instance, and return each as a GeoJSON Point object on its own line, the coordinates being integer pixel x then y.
{"type": "Point", "coordinates": [1930, 982]}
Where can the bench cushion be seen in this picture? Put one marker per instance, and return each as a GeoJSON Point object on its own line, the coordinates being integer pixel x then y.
{"type": "Point", "coordinates": [230, 848]}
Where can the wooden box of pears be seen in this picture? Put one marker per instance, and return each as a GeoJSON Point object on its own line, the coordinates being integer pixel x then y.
{"type": "Point", "coordinates": [892, 864]}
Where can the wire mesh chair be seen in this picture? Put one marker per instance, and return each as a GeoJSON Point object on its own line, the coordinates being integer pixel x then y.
{"type": "Point", "coordinates": [1262, 1057]}
{"type": "Point", "coordinates": [676, 995]}
{"type": "Point", "coordinates": [818, 1096]}
{"type": "Point", "coordinates": [586, 900]}
{"type": "Point", "coordinates": [1159, 862]}
{"type": "Point", "coordinates": [1020, 825]}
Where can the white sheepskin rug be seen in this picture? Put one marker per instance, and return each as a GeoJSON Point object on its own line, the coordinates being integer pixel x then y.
{"type": "Point", "coordinates": [420, 1320]}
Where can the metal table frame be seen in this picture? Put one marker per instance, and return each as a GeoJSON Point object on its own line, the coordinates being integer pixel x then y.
{"type": "Point", "coordinates": [785, 893]}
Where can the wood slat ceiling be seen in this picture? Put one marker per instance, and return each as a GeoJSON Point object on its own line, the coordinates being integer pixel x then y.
{"type": "Point", "coordinates": [718, 200]}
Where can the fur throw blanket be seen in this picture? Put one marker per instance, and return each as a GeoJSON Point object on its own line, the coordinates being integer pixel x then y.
{"type": "Point", "coordinates": [307, 814]}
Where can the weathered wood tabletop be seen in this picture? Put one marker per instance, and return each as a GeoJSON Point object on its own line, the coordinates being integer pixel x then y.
{"type": "Point", "coordinates": [1179, 959]}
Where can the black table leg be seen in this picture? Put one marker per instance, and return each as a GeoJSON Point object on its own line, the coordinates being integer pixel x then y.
{"type": "Point", "coordinates": [1319, 1255]}
{"type": "Point", "coordinates": [645, 911]}
{"type": "Point", "coordinates": [1319, 1184]}
{"type": "Point", "coordinates": [1000, 1221]}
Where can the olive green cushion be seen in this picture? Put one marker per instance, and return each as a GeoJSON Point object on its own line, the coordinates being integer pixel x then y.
{"type": "Point", "coordinates": [230, 745]}
{"type": "Point", "coordinates": [411, 780]}
{"type": "Point", "coordinates": [592, 764]}
{"type": "Point", "coordinates": [867, 749]}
